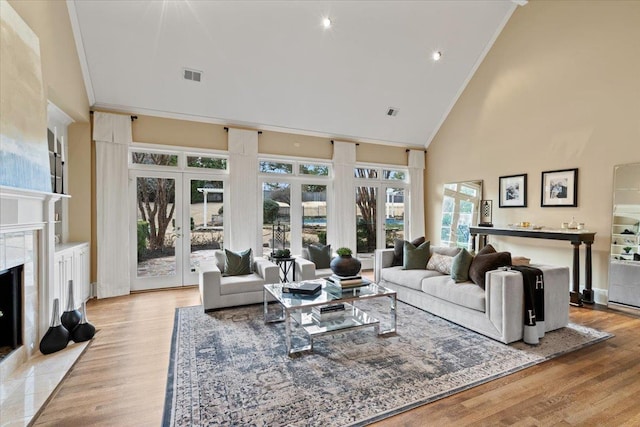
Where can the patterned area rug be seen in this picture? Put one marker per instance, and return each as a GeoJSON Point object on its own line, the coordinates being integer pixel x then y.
{"type": "Point", "coordinates": [230, 368]}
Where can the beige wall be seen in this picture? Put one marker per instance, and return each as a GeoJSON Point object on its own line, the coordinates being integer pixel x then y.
{"type": "Point", "coordinates": [64, 87]}
{"type": "Point", "coordinates": [558, 90]}
{"type": "Point", "coordinates": [60, 64]}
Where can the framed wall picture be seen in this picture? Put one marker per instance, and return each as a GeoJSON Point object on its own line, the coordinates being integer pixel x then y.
{"type": "Point", "coordinates": [513, 191]}
{"type": "Point", "coordinates": [560, 188]}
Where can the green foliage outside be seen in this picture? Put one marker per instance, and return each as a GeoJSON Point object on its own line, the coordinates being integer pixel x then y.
{"type": "Point", "coordinates": [270, 211]}
{"type": "Point", "coordinates": [143, 237]}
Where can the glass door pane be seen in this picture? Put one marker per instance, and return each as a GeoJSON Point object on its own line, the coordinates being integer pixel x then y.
{"type": "Point", "coordinates": [314, 214]}
{"type": "Point", "coordinates": [206, 222]}
{"type": "Point", "coordinates": [157, 228]}
{"type": "Point", "coordinates": [366, 214]}
{"type": "Point", "coordinates": [394, 215]}
{"type": "Point", "coordinates": [276, 216]}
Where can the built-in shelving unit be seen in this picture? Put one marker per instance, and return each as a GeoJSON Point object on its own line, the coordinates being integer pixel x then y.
{"type": "Point", "coordinates": [57, 123]}
{"type": "Point", "coordinates": [625, 232]}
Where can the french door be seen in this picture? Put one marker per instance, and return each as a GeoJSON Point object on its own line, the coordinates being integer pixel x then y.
{"type": "Point", "coordinates": [176, 222]}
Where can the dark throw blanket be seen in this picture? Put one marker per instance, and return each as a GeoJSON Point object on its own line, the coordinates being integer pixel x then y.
{"type": "Point", "coordinates": [533, 286]}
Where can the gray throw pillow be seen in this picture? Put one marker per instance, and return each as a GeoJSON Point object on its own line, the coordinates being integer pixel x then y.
{"type": "Point", "coordinates": [398, 249]}
{"type": "Point", "coordinates": [487, 249]}
{"type": "Point", "coordinates": [320, 255]}
{"type": "Point", "coordinates": [486, 262]}
{"type": "Point", "coordinates": [460, 266]}
{"type": "Point", "coordinates": [415, 258]}
{"type": "Point", "coordinates": [237, 263]}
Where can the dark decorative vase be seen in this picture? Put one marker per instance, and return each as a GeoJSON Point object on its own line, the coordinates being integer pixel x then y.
{"type": "Point", "coordinates": [71, 317]}
{"type": "Point", "coordinates": [85, 330]}
{"type": "Point", "coordinates": [57, 337]}
{"type": "Point", "coordinates": [345, 265]}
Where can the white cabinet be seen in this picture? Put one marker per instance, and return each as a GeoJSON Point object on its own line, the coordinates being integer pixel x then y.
{"type": "Point", "coordinates": [71, 262]}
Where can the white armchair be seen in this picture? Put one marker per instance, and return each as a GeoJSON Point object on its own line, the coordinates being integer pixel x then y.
{"type": "Point", "coordinates": [306, 269]}
{"type": "Point", "coordinates": [218, 291]}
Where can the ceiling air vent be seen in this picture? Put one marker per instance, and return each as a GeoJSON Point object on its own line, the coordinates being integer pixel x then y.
{"type": "Point", "coordinates": [193, 75]}
{"type": "Point", "coordinates": [392, 112]}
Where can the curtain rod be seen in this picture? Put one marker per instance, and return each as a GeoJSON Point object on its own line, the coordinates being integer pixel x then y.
{"type": "Point", "coordinates": [132, 117]}
{"type": "Point", "coordinates": [227, 129]}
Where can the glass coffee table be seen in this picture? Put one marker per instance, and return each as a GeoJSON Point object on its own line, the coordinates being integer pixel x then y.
{"type": "Point", "coordinates": [305, 309]}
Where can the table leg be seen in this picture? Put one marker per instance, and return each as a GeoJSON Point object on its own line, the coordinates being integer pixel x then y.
{"type": "Point", "coordinates": [574, 295]}
{"type": "Point", "coordinates": [473, 242]}
{"type": "Point", "coordinates": [587, 293]}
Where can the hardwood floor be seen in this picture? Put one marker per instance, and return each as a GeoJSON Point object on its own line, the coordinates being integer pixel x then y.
{"type": "Point", "coordinates": [121, 378]}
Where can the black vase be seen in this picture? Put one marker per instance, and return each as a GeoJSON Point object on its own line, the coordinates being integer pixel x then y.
{"type": "Point", "coordinates": [345, 266]}
{"type": "Point", "coordinates": [57, 336]}
{"type": "Point", "coordinates": [71, 317]}
{"type": "Point", "coordinates": [85, 330]}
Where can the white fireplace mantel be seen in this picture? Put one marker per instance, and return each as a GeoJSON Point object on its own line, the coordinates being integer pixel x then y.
{"type": "Point", "coordinates": [23, 210]}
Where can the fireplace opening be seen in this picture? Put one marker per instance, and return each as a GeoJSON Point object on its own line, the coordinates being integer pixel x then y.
{"type": "Point", "coordinates": [10, 310]}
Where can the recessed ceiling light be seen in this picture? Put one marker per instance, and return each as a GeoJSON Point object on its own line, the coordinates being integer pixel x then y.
{"type": "Point", "coordinates": [436, 55]}
{"type": "Point", "coordinates": [326, 22]}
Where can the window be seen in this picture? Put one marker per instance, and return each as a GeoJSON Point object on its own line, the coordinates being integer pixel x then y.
{"type": "Point", "coordinates": [294, 203]}
{"type": "Point", "coordinates": [459, 211]}
{"type": "Point", "coordinates": [154, 158]}
{"type": "Point", "coordinates": [276, 167]}
{"type": "Point", "coordinates": [205, 162]}
{"type": "Point", "coordinates": [380, 195]}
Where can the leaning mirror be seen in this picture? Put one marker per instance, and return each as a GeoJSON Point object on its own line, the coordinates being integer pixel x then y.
{"type": "Point", "coordinates": [624, 267]}
{"type": "Point", "coordinates": [460, 202]}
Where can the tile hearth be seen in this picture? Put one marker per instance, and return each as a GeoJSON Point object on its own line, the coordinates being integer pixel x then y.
{"type": "Point", "coordinates": [25, 391]}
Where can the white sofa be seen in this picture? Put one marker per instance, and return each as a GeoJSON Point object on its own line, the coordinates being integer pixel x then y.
{"type": "Point", "coordinates": [497, 311]}
{"type": "Point", "coordinates": [218, 291]}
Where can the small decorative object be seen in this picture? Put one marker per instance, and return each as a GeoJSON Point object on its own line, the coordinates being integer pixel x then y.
{"type": "Point", "coordinates": [57, 336]}
{"type": "Point", "coordinates": [560, 188]}
{"type": "Point", "coordinates": [627, 249]}
{"type": "Point", "coordinates": [344, 264]}
{"type": "Point", "coordinates": [513, 191]}
{"type": "Point", "coordinates": [71, 317]}
{"type": "Point", "coordinates": [573, 225]}
{"type": "Point", "coordinates": [282, 253]}
{"type": "Point", "coordinates": [485, 213]}
{"type": "Point", "coordinates": [85, 330]}
{"type": "Point", "coordinates": [278, 237]}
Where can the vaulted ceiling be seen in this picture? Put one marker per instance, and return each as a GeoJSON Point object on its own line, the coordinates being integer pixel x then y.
{"type": "Point", "coordinates": [273, 65]}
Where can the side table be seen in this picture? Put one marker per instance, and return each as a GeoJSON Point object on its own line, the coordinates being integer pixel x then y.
{"type": "Point", "coordinates": [286, 266]}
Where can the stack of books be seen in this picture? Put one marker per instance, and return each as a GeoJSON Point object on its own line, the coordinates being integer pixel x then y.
{"type": "Point", "coordinates": [310, 287]}
{"type": "Point", "coordinates": [347, 282]}
{"type": "Point", "coordinates": [325, 313]}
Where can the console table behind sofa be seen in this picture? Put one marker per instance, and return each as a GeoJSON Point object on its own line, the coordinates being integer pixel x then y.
{"type": "Point", "coordinates": [576, 237]}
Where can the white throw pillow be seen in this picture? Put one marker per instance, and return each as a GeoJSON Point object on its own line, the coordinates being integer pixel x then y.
{"type": "Point", "coordinates": [440, 263]}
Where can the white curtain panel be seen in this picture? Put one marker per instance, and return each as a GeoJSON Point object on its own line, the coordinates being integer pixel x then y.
{"type": "Point", "coordinates": [342, 211]}
{"type": "Point", "coordinates": [244, 191]}
{"type": "Point", "coordinates": [112, 135]}
{"type": "Point", "coordinates": [416, 194]}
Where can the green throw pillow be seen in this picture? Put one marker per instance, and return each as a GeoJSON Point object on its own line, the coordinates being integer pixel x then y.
{"type": "Point", "coordinates": [320, 255]}
{"type": "Point", "coordinates": [237, 263]}
{"type": "Point", "coordinates": [415, 258]}
{"type": "Point", "coordinates": [460, 266]}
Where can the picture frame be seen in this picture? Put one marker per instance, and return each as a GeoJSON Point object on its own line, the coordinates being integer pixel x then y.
{"type": "Point", "coordinates": [559, 188]}
{"type": "Point", "coordinates": [513, 191]}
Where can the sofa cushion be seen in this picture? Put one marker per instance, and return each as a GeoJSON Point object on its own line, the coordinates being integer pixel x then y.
{"type": "Point", "coordinates": [398, 249]}
{"type": "Point", "coordinates": [408, 278]}
{"type": "Point", "coordinates": [415, 258]}
{"type": "Point", "coordinates": [241, 284]}
{"type": "Point", "coordinates": [220, 259]}
{"type": "Point", "coordinates": [487, 249]}
{"type": "Point", "coordinates": [487, 262]}
{"type": "Point", "coordinates": [320, 255]}
{"type": "Point", "coordinates": [464, 294]}
{"type": "Point", "coordinates": [440, 263]}
{"type": "Point", "coordinates": [237, 263]}
{"type": "Point", "coordinates": [460, 266]}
